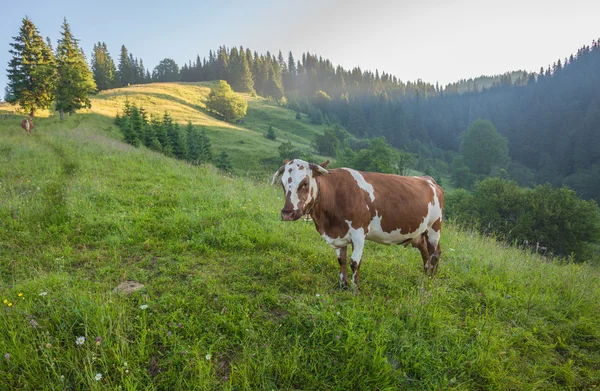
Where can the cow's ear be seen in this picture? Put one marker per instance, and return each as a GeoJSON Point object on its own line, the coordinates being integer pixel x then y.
{"type": "Point", "coordinates": [324, 165]}
{"type": "Point", "coordinates": [286, 161]}
{"type": "Point", "coordinates": [278, 174]}
{"type": "Point", "coordinates": [317, 169]}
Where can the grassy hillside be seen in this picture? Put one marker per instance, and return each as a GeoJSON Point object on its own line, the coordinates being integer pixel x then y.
{"type": "Point", "coordinates": [236, 299]}
{"type": "Point", "coordinates": [249, 149]}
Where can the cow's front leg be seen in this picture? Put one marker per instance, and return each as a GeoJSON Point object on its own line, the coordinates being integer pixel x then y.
{"type": "Point", "coordinates": [358, 244]}
{"type": "Point", "coordinates": [341, 256]}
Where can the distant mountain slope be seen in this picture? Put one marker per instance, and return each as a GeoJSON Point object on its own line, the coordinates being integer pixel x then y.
{"type": "Point", "coordinates": [244, 142]}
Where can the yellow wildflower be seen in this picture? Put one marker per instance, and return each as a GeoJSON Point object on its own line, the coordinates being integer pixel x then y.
{"type": "Point", "coordinates": [5, 301]}
{"type": "Point", "coordinates": [20, 294]}
{"type": "Point", "coordinates": [10, 304]}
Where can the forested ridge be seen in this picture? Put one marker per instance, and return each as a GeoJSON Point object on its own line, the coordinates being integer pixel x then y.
{"type": "Point", "coordinates": [551, 118]}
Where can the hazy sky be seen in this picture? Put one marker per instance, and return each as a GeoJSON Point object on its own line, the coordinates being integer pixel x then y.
{"type": "Point", "coordinates": [434, 40]}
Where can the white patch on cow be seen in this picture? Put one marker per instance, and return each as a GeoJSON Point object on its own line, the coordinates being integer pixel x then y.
{"type": "Point", "coordinates": [27, 126]}
{"type": "Point", "coordinates": [362, 183]}
{"type": "Point", "coordinates": [337, 243]}
{"type": "Point", "coordinates": [299, 171]}
{"type": "Point", "coordinates": [434, 213]}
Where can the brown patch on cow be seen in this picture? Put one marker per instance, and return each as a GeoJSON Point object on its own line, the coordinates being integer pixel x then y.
{"type": "Point", "coordinates": [300, 167]}
{"type": "Point", "coordinates": [290, 180]}
{"type": "Point", "coordinates": [399, 201]}
{"type": "Point", "coordinates": [437, 225]}
{"type": "Point", "coordinates": [290, 170]}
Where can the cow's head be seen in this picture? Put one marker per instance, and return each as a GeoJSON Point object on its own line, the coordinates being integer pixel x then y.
{"type": "Point", "coordinates": [298, 179]}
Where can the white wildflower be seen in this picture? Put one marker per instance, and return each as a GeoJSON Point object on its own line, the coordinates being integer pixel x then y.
{"type": "Point", "coordinates": [80, 340]}
{"type": "Point", "coordinates": [143, 306]}
{"type": "Point", "coordinates": [208, 356]}
{"type": "Point", "coordinates": [43, 293]}
{"type": "Point", "coordinates": [98, 376]}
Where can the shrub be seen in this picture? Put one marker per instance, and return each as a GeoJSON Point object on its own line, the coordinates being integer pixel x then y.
{"type": "Point", "coordinates": [223, 101]}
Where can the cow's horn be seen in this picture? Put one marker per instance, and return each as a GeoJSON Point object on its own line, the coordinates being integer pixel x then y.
{"type": "Point", "coordinates": [277, 174]}
{"type": "Point", "coordinates": [316, 167]}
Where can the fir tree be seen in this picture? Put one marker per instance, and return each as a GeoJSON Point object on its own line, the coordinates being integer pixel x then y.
{"type": "Point", "coordinates": [31, 72]}
{"type": "Point", "coordinates": [75, 80]}
{"type": "Point", "coordinates": [192, 144]}
{"type": "Point", "coordinates": [163, 134]}
{"type": "Point", "coordinates": [103, 67]}
{"type": "Point", "coordinates": [270, 134]}
{"type": "Point", "coordinates": [239, 72]}
{"type": "Point", "coordinates": [223, 163]}
{"type": "Point", "coordinates": [177, 142]}
{"type": "Point", "coordinates": [136, 124]}
{"type": "Point", "coordinates": [124, 67]}
{"type": "Point", "coordinates": [205, 155]}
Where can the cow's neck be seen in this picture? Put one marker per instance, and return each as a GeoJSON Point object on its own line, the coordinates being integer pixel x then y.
{"type": "Point", "coordinates": [325, 191]}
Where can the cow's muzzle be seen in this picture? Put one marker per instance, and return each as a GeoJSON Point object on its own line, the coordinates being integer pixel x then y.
{"type": "Point", "coordinates": [290, 215]}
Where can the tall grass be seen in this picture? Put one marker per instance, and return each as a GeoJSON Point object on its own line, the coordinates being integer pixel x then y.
{"type": "Point", "coordinates": [233, 298]}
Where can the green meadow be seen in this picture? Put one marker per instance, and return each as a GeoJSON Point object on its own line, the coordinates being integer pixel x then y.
{"type": "Point", "coordinates": [234, 298]}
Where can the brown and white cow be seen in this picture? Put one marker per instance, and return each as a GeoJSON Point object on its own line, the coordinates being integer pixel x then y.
{"type": "Point", "coordinates": [349, 207]}
{"type": "Point", "coordinates": [27, 124]}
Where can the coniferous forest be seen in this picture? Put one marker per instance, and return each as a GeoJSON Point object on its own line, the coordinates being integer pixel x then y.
{"type": "Point", "coordinates": [550, 118]}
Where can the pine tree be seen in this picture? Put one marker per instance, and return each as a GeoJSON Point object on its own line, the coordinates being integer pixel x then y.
{"type": "Point", "coordinates": [124, 67]}
{"type": "Point", "coordinates": [222, 64]}
{"type": "Point", "coordinates": [192, 144]}
{"type": "Point", "coordinates": [239, 72]}
{"type": "Point", "coordinates": [205, 155]}
{"type": "Point", "coordinates": [136, 125]}
{"type": "Point", "coordinates": [270, 134]}
{"type": "Point", "coordinates": [156, 129]}
{"type": "Point", "coordinates": [31, 72]}
{"type": "Point", "coordinates": [177, 140]}
{"type": "Point", "coordinates": [75, 80]}
{"type": "Point", "coordinates": [223, 163]}
{"type": "Point", "coordinates": [163, 134]}
{"type": "Point", "coordinates": [103, 67]}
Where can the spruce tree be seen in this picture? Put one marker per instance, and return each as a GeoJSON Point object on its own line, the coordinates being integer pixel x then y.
{"type": "Point", "coordinates": [31, 73]}
{"type": "Point", "coordinates": [192, 143]}
{"type": "Point", "coordinates": [75, 80]}
{"type": "Point", "coordinates": [178, 143]}
{"type": "Point", "coordinates": [239, 72]}
{"type": "Point", "coordinates": [223, 163]}
{"type": "Point", "coordinates": [103, 67]}
{"type": "Point", "coordinates": [136, 127]}
{"type": "Point", "coordinates": [124, 67]}
{"type": "Point", "coordinates": [163, 134]}
{"type": "Point", "coordinates": [205, 155]}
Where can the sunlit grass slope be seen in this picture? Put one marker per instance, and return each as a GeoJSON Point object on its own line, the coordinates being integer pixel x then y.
{"type": "Point", "coordinates": [249, 150]}
{"type": "Point", "coordinates": [236, 299]}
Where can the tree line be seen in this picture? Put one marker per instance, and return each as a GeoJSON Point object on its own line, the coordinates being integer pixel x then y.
{"type": "Point", "coordinates": [39, 76]}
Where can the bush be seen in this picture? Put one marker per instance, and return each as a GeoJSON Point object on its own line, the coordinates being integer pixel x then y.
{"type": "Point", "coordinates": [556, 219]}
{"type": "Point", "coordinates": [223, 101]}
{"type": "Point", "coordinates": [287, 151]}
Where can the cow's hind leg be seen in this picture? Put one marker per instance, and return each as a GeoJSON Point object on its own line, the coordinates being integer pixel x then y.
{"type": "Point", "coordinates": [341, 256]}
{"type": "Point", "coordinates": [421, 244]}
{"type": "Point", "coordinates": [433, 245]}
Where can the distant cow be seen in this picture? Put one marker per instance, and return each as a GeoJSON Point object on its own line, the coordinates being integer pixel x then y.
{"type": "Point", "coordinates": [27, 124]}
{"type": "Point", "coordinates": [348, 206]}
